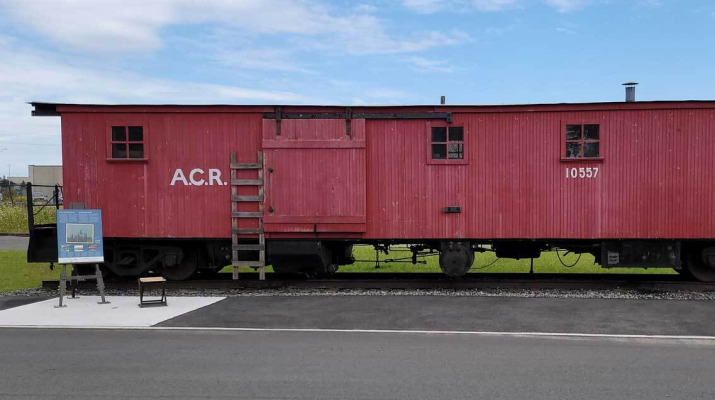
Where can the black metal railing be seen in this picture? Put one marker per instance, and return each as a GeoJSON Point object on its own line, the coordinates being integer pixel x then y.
{"type": "Point", "coordinates": [33, 202]}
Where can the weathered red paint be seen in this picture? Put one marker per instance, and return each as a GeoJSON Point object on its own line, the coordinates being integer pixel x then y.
{"type": "Point", "coordinates": [656, 172]}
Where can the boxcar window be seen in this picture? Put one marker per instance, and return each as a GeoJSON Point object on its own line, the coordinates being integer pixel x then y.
{"type": "Point", "coordinates": [127, 142]}
{"type": "Point", "coordinates": [582, 141]}
{"type": "Point", "coordinates": [447, 143]}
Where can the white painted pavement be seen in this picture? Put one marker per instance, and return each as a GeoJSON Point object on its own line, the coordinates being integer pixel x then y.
{"type": "Point", "coordinates": [123, 311]}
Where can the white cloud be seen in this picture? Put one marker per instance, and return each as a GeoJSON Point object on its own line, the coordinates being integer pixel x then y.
{"type": "Point", "coordinates": [422, 64]}
{"type": "Point", "coordinates": [261, 59]}
{"type": "Point", "coordinates": [566, 5]}
{"type": "Point", "coordinates": [136, 25]}
{"type": "Point", "coordinates": [432, 6]}
{"type": "Point", "coordinates": [424, 6]}
{"type": "Point", "coordinates": [494, 5]}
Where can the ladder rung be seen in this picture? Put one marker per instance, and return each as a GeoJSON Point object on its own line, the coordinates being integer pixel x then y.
{"type": "Point", "coordinates": [246, 198]}
{"type": "Point", "coordinates": [247, 231]}
{"type": "Point", "coordinates": [247, 182]}
{"type": "Point", "coordinates": [245, 166]}
{"type": "Point", "coordinates": [242, 214]}
{"type": "Point", "coordinates": [248, 264]}
{"type": "Point", "coordinates": [249, 247]}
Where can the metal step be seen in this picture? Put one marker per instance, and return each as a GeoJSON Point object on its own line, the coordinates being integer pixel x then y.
{"type": "Point", "coordinates": [249, 247]}
{"type": "Point", "coordinates": [246, 198]}
{"type": "Point", "coordinates": [244, 263]}
{"type": "Point", "coordinates": [246, 231]}
{"type": "Point", "coordinates": [244, 214]}
{"type": "Point", "coordinates": [245, 166]}
{"type": "Point", "coordinates": [247, 182]}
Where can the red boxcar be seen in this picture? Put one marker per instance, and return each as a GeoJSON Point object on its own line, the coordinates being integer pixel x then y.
{"type": "Point", "coordinates": [631, 183]}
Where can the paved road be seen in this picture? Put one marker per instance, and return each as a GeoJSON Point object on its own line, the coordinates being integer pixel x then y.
{"type": "Point", "coordinates": [611, 316]}
{"type": "Point", "coordinates": [91, 364]}
{"type": "Point", "coordinates": [13, 243]}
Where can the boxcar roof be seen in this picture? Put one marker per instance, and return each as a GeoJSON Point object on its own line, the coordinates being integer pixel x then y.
{"type": "Point", "coordinates": [56, 109]}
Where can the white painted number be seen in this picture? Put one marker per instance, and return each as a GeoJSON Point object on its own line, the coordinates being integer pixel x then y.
{"type": "Point", "coordinates": [582, 173]}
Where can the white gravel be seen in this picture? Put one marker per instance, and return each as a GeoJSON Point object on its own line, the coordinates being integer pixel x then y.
{"type": "Point", "coordinates": [550, 293]}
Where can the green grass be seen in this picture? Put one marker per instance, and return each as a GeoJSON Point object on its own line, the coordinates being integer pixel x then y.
{"type": "Point", "coordinates": [16, 273]}
{"type": "Point", "coordinates": [547, 263]}
{"type": "Point", "coordinates": [13, 219]}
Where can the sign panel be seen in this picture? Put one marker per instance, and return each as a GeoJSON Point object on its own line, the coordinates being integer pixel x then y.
{"type": "Point", "coordinates": [79, 236]}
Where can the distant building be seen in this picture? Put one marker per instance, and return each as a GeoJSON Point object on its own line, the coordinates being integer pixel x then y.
{"type": "Point", "coordinates": [41, 175]}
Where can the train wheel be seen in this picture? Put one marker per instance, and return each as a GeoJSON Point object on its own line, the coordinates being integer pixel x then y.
{"type": "Point", "coordinates": [456, 259]}
{"type": "Point", "coordinates": [701, 264]}
{"type": "Point", "coordinates": [183, 270]}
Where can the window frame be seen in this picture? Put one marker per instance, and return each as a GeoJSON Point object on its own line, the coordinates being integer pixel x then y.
{"type": "Point", "coordinates": [447, 161]}
{"type": "Point", "coordinates": [126, 123]}
{"type": "Point", "coordinates": [582, 123]}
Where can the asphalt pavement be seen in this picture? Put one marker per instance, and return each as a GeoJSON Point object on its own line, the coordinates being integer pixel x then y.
{"type": "Point", "coordinates": [494, 314]}
{"type": "Point", "coordinates": [14, 243]}
{"type": "Point", "coordinates": [112, 364]}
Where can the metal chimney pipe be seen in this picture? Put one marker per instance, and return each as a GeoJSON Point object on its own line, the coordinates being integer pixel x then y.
{"type": "Point", "coordinates": [443, 100]}
{"type": "Point", "coordinates": [630, 91]}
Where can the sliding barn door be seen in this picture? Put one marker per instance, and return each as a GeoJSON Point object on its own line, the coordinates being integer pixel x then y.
{"type": "Point", "coordinates": [315, 175]}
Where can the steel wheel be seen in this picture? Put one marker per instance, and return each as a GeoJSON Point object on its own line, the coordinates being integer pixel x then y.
{"type": "Point", "coordinates": [701, 264]}
{"type": "Point", "coordinates": [183, 270]}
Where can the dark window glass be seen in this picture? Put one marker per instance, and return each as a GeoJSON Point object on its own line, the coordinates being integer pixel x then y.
{"type": "Point", "coordinates": [136, 134]}
{"type": "Point", "coordinates": [456, 134]}
{"type": "Point", "coordinates": [456, 151]}
{"type": "Point", "coordinates": [439, 151]}
{"type": "Point", "coordinates": [573, 132]}
{"type": "Point", "coordinates": [119, 150]}
{"type": "Point", "coordinates": [590, 132]}
{"type": "Point", "coordinates": [136, 150]}
{"type": "Point", "coordinates": [573, 149]}
{"type": "Point", "coordinates": [590, 149]}
{"type": "Point", "coordinates": [439, 134]}
{"type": "Point", "coordinates": [119, 133]}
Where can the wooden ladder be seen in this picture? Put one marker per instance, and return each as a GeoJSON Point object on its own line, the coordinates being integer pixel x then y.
{"type": "Point", "coordinates": [236, 216]}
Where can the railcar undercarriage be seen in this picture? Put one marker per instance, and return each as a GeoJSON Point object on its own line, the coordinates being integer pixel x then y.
{"type": "Point", "coordinates": [183, 259]}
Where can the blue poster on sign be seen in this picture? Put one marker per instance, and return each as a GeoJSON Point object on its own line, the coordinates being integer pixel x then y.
{"type": "Point", "coordinates": [79, 236]}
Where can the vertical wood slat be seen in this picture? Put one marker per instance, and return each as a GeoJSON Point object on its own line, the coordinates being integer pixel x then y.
{"type": "Point", "coordinates": [261, 262]}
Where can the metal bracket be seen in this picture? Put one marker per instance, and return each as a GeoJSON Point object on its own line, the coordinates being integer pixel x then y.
{"type": "Point", "coordinates": [348, 121]}
{"type": "Point", "coordinates": [278, 116]}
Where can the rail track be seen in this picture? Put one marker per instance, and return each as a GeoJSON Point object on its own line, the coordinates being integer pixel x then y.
{"type": "Point", "coordinates": [428, 281]}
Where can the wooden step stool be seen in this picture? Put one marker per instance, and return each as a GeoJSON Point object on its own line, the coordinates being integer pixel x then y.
{"type": "Point", "coordinates": [152, 281]}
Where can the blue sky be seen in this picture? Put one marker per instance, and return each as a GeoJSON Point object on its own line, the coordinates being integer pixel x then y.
{"type": "Point", "coordinates": [340, 52]}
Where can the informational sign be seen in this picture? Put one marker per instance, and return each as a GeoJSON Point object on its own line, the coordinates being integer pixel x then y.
{"type": "Point", "coordinates": [79, 237]}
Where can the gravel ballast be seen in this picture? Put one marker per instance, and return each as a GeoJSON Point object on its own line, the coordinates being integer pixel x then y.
{"type": "Point", "coordinates": [523, 293]}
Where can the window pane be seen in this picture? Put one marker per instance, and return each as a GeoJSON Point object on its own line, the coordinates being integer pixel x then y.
{"type": "Point", "coordinates": [439, 151]}
{"type": "Point", "coordinates": [573, 150]}
{"type": "Point", "coordinates": [590, 132]}
{"type": "Point", "coordinates": [439, 134]}
{"type": "Point", "coordinates": [119, 133]}
{"type": "Point", "coordinates": [456, 134]}
{"type": "Point", "coordinates": [590, 149]}
{"type": "Point", "coordinates": [119, 150]}
{"type": "Point", "coordinates": [136, 150]}
{"type": "Point", "coordinates": [136, 134]}
{"type": "Point", "coordinates": [456, 151]}
{"type": "Point", "coordinates": [573, 132]}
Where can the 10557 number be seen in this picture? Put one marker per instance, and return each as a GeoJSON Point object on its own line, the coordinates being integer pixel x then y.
{"type": "Point", "coordinates": [582, 173]}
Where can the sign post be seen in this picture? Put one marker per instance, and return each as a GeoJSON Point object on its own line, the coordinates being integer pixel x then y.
{"type": "Point", "coordinates": [79, 241]}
